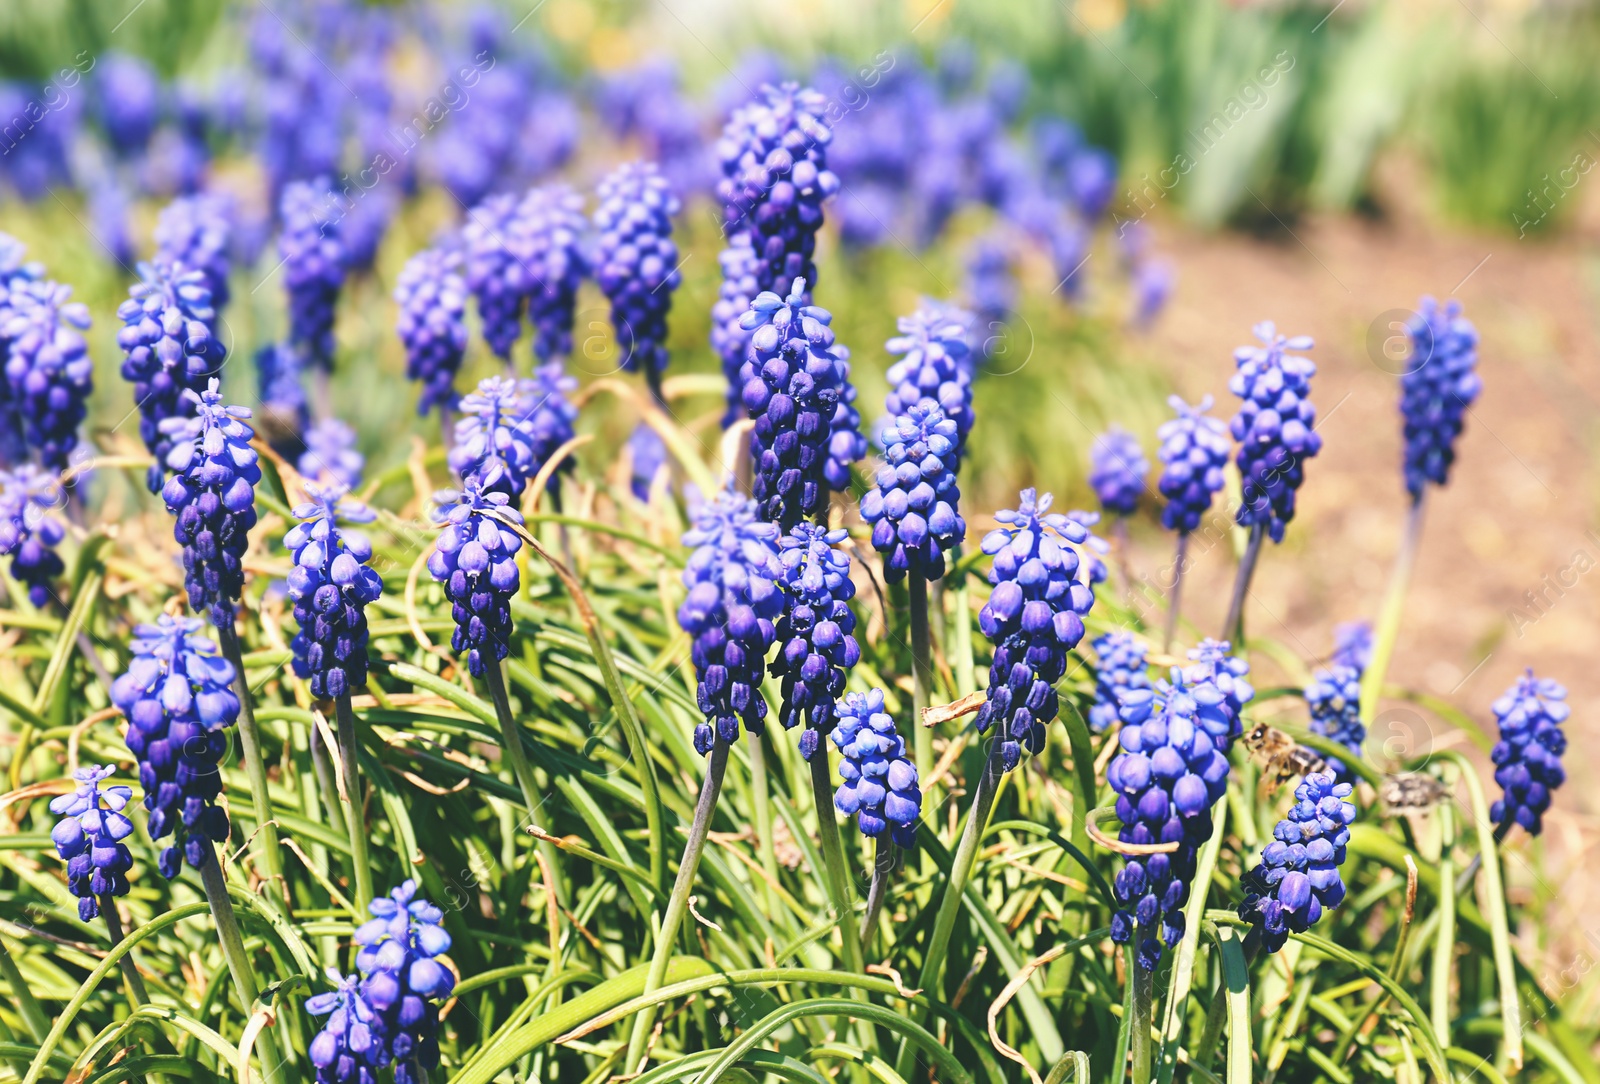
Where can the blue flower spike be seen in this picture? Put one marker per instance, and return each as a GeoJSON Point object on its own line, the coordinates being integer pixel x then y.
{"type": "Point", "coordinates": [1527, 758]}
{"type": "Point", "coordinates": [475, 558]}
{"type": "Point", "coordinates": [89, 838]}
{"type": "Point", "coordinates": [880, 787]}
{"type": "Point", "coordinates": [1298, 877]}
{"type": "Point", "coordinates": [1275, 426]}
{"type": "Point", "coordinates": [1117, 470]}
{"type": "Point", "coordinates": [816, 645]}
{"type": "Point", "coordinates": [331, 585]}
{"type": "Point", "coordinates": [913, 506]}
{"type": "Point", "coordinates": [1439, 384]}
{"type": "Point", "coordinates": [1194, 454]}
{"type": "Point", "coordinates": [1122, 669]}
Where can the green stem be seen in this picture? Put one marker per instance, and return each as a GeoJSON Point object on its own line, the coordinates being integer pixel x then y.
{"type": "Point", "coordinates": [950, 904]}
{"type": "Point", "coordinates": [763, 811]}
{"type": "Point", "coordinates": [355, 807]}
{"type": "Point", "coordinates": [835, 874]}
{"type": "Point", "coordinates": [883, 863]}
{"type": "Point", "coordinates": [1233, 627]}
{"type": "Point", "coordinates": [130, 971]}
{"type": "Point", "coordinates": [959, 649]}
{"type": "Point", "coordinates": [678, 903]}
{"type": "Point", "coordinates": [511, 738]}
{"type": "Point", "coordinates": [255, 768]}
{"type": "Point", "coordinates": [921, 674]}
{"type": "Point", "coordinates": [1394, 604]}
{"type": "Point", "coordinates": [1444, 944]}
{"type": "Point", "coordinates": [1143, 995]}
{"type": "Point", "coordinates": [244, 977]}
{"type": "Point", "coordinates": [1180, 558]}
{"type": "Point", "coordinates": [33, 1016]}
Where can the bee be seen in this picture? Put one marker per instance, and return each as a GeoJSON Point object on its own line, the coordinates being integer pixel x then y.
{"type": "Point", "coordinates": [1411, 792]}
{"type": "Point", "coordinates": [1281, 758]}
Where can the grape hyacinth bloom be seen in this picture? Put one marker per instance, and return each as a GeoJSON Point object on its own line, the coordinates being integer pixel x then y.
{"type": "Point", "coordinates": [129, 102]}
{"type": "Point", "coordinates": [48, 371]}
{"type": "Point", "coordinates": [637, 262]}
{"type": "Point", "coordinates": [733, 577]}
{"type": "Point", "coordinates": [1213, 662]}
{"type": "Point", "coordinates": [169, 348]}
{"type": "Point", "coordinates": [212, 494]}
{"type": "Point", "coordinates": [313, 267]}
{"type": "Point", "coordinates": [816, 648]}
{"type": "Point", "coordinates": [1034, 616]}
{"type": "Point", "coordinates": [553, 220]}
{"type": "Point", "coordinates": [493, 438]}
{"type": "Point", "coordinates": [1169, 774]}
{"type": "Point", "coordinates": [89, 839]}
{"type": "Point", "coordinates": [649, 454]}
{"type": "Point", "coordinates": [1439, 383]}
{"type": "Point", "coordinates": [331, 454]}
{"type": "Point", "coordinates": [913, 506]}
{"type": "Point", "coordinates": [432, 324]}
{"type": "Point", "coordinates": [284, 415]}
{"type": "Point", "coordinates": [1117, 470]}
{"type": "Point", "coordinates": [178, 697]}
{"type": "Point", "coordinates": [1298, 878]}
{"type": "Point", "coordinates": [729, 339]}
{"type": "Point", "coordinates": [1352, 645]}
{"type": "Point", "coordinates": [29, 534]}
{"type": "Point", "coordinates": [846, 444]}
{"type": "Point", "coordinates": [991, 289]}
{"type": "Point", "coordinates": [934, 367]}
{"type": "Point", "coordinates": [345, 1051]}
{"type": "Point", "coordinates": [775, 178]}
{"type": "Point", "coordinates": [331, 586]}
{"type": "Point", "coordinates": [548, 417]}
{"type": "Point", "coordinates": [1194, 454]}
{"type": "Point", "coordinates": [1274, 426]}
{"type": "Point", "coordinates": [402, 979]}
{"type": "Point", "coordinates": [1334, 698]}
{"type": "Point", "coordinates": [1527, 758]}
{"type": "Point", "coordinates": [879, 781]}
{"type": "Point", "coordinates": [475, 558]}
{"type": "Point", "coordinates": [1121, 670]}
{"type": "Point", "coordinates": [196, 232]}
{"type": "Point", "coordinates": [498, 271]}
{"type": "Point", "coordinates": [791, 383]}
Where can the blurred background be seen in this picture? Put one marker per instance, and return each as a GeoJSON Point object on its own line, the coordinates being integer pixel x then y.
{"type": "Point", "coordinates": [1121, 189]}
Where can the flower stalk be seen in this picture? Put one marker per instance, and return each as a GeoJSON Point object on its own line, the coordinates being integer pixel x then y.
{"type": "Point", "coordinates": [511, 737]}
{"type": "Point", "coordinates": [1180, 558]}
{"type": "Point", "coordinates": [1233, 627]}
{"type": "Point", "coordinates": [254, 765]}
{"type": "Point", "coordinates": [354, 806]}
{"type": "Point", "coordinates": [1394, 604]}
{"type": "Point", "coordinates": [244, 977]}
{"type": "Point", "coordinates": [921, 674]}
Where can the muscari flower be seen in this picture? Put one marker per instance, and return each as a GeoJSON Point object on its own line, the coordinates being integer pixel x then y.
{"type": "Point", "coordinates": [1117, 470]}
{"type": "Point", "coordinates": [729, 339]}
{"type": "Point", "coordinates": [1527, 758]}
{"type": "Point", "coordinates": [791, 385]}
{"type": "Point", "coordinates": [1169, 774]}
{"type": "Point", "coordinates": [733, 577]}
{"type": "Point", "coordinates": [1214, 662]}
{"type": "Point", "coordinates": [48, 371]}
{"type": "Point", "coordinates": [935, 367]}
{"type": "Point", "coordinates": [548, 416]}
{"type": "Point", "coordinates": [649, 455]}
{"type": "Point", "coordinates": [178, 697]}
{"type": "Point", "coordinates": [637, 262]}
{"type": "Point", "coordinates": [775, 178]}
{"type": "Point", "coordinates": [29, 534]}
{"type": "Point", "coordinates": [913, 507]}
{"type": "Point", "coordinates": [284, 416]}
{"type": "Point", "coordinates": [991, 290]}
{"type": "Point", "coordinates": [846, 444]}
{"type": "Point", "coordinates": [1274, 426]}
{"type": "Point", "coordinates": [475, 558]}
{"type": "Point", "coordinates": [1334, 698]}
{"type": "Point", "coordinates": [498, 271]}
{"type": "Point", "coordinates": [432, 325]}
{"type": "Point", "coordinates": [212, 494]}
{"type": "Point", "coordinates": [1352, 644]}
{"type": "Point", "coordinates": [816, 647]}
{"type": "Point", "coordinates": [552, 220]}
{"type": "Point", "coordinates": [313, 266]}
{"type": "Point", "coordinates": [347, 1049]}
{"type": "Point", "coordinates": [494, 440]}
{"type": "Point", "coordinates": [1034, 616]}
{"type": "Point", "coordinates": [1298, 877]}
{"type": "Point", "coordinates": [1439, 383]}
{"type": "Point", "coordinates": [1121, 670]}
{"type": "Point", "coordinates": [402, 979]}
{"type": "Point", "coordinates": [1193, 453]}
{"type": "Point", "coordinates": [129, 102]}
{"type": "Point", "coordinates": [170, 348]}
{"type": "Point", "coordinates": [879, 781]}
{"type": "Point", "coordinates": [89, 839]}
{"type": "Point", "coordinates": [331, 454]}
{"type": "Point", "coordinates": [195, 231]}
{"type": "Point", "coordinates": [331, 585]}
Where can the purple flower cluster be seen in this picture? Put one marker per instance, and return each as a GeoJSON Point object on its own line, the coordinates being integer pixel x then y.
{"type": "Point", "coordinates": [1194, 453]}
{"type": "Point", "coordinates": [637, 262]}
{"type": "Point", "coordinates": [1122, 669]}
{"type": "Point", "coordinates": [178, 697]}
{"type": "Point", "coordinates": [351, 1040]}
{"type": "Point", "coordinates": [553, 220]}
{"type": "Point", "coordinates": [89, 836]}
{"type": "Point", "coordinates": [48, 371]}
{"type": "Point", "coordinates": [791, 381]}
{"type": "Point", "coordinates": [1439, 383]}
{"type": "Point", "coordinates": [284, 416]}
{"type": "Point", "coordinates": [212, 494]}
{"type": "Point", "coordinates": [1352, 645]}
{"type": "Point", "coordinates": [195, 232]}
{"type": "Point", "coordinates": [1034, 616]}
{"type": "Point", "coordinates": [169, 347]}
{"type": "Point", "coordinates": [1117, 470]}
{"type": "Point", "coordinates": [1172, 769]}
{"type": "Point", "coordinates": [313, 266]}
{"type": "Point", "coordinates": [29, 534]}
{"type": "Point", "coordinates": [913, 507]}
{"type": "Point", "coordinates": [331, 455]}
{"type": "Point", "coordinates": [816, 647]}
{"type": "Point", "coordinates": [1274, 426]}
{"type": "Point", "coordinates": [1298, 878]}
{"type": "Point", "coordinates": [498, 270]}
{"type": "Point", "coordinates": [733, 576]}
{"type": "Point", "coordinates": [432, 324]}
{"type": "Point", "coordinates": [1213, 662]}
{"type": "Point", "coordinates": [331, 586]}
{"type": "Point", "coordinates": [935, 366]}
{"type": "Point", "coordinates": [1527, 758]}
{"type": "Point", "coordinates": [475, 558]}
{"type": "Point", "coordinates": [729, 339]}
{"type": "Point", "coordinates": [1334, 698]}
{"type": "Point", "coordinates": [879, 781]}
{"type": "Point", "coordinates": [991, 290]}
